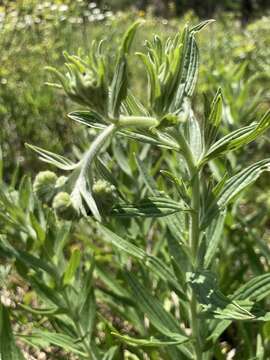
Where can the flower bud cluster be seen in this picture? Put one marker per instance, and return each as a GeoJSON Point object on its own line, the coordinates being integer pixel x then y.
{"type": "Point", "coordinates": [86, 88]}
{"type": "Point", "coordinates": [51, 190]}
{"type": "Point", "coordinates": [84, 82]}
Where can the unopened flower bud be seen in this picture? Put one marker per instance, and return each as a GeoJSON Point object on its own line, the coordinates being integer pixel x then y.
{"type": "Point", "coordinates": [44, 185]}
{"type": "Point", "coordinates": [104, 194]}
{"type": "Point", "coordinates": [63, 206]}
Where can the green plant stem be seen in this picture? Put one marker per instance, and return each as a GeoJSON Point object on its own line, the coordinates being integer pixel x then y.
{"type": "Point", "coordinates": [194, 242]}
{"type": "Point", "coordinates": [194, 224]}
{"type": "Point", "coordinates": [194, 235]}
{"type": "Point", "coordinates": [95, 148]}
{"type": "Point", "coordinates": [137, 122]}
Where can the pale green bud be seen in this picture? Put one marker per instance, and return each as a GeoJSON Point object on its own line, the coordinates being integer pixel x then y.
{"type": "Point", "coordinates": [44, 185]}
{"type": "Point", "coordinates": [63, 206]}
{"type": "Point", "coordinates": [61, 181]}
{"type": "Point", "coordinates": [103, 188]}
{"type": "Point", "coordinates": [104, 194]}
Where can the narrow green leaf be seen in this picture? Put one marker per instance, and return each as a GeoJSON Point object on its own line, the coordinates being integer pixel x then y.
{"type": "Point", "coordinates": [122, 244]}
{"type": "Point", "coordinates": [30, 261]}
{"type": "Point", "coordinates": [129, 37]}
{"type": "Point", "coordinates": [153, 263]}
{"type": "Point", "coordinates": [148, 179]}
{"type": "Point", "coordinates": [48, 294]}
{"type": "Point", "coordinates": [201, 25]}
{"type": "Point", "coordinates": [89, 118]}
{"type": "Point", "coordinates": [213, 237]}
{"type": "Point", "coordinates": [48, 338]}
{"type": "Point", "coordinates": [87, 306]}
{"type": "Point", "coordinates": [163, 321]}
{"type": "Point", "coordinates": [149, 207]}
{"type": "Point", "coordinates": [8, 348]}
{"type": "Point", "coordinates": [26, 193]}
{"type": "Point", "coordinates": [54, 159]}
{"type": "Point", "coordinates": [193, 68]}
{"type": "Point", "coordinates": [233, 186]}
{"type": "Point", "coordinates": [213, 121]}
{"type": "Point", "coordinates": [152, 342]}
{"type": "Point", "coordinates": [256, 289]}
{"type": "Point", "coordinates": [134, 107]}
{"type": "Point", "coordinates": [215, 304]}
{"type": "Point", "coordinates": [237, 139]}
{"type": "Point", "coordinates": [72, 267]}
{"type": "Point", "coordinates": [1, 166]}
{"type": "Point", "coordinates": [119, 84]}
{"type": "Point", "coordinates": [40, 232]}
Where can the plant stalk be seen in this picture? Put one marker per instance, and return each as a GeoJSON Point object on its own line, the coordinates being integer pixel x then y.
{"type": "Point", "coordinates": [194, 242]}
{"type": "Point", "coordinates": [194, 235]}
{"type": "Point", "coordinates": [95, 148]}
{"type": "Point", "coordinates": [137, 122]}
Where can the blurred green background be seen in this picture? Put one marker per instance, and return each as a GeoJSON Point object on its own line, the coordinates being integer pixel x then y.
{"type": "Point", "coordinates": [234, 55]}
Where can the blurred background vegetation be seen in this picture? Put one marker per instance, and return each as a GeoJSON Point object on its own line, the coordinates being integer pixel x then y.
{"type": "Point", "coordinates": [34, 34]}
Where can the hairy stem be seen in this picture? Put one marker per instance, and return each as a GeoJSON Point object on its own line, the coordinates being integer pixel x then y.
{"type": "Point", "coordinates": [194, 235]}
{"type": "Point", "coordinates": [80, 187]}
{"type": "Point", "coordinates": [95, 147]}
{"type": "Point", "coordinates": [194, 242]}
{"type": "Point", "coordinates": [137, 122]}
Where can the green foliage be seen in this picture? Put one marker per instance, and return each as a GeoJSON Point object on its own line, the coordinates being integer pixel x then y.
{"type": "Point", "coordinates": [151, 245]}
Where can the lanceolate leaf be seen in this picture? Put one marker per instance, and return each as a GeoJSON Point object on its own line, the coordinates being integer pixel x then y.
{"type": "Point", "coordinates": [134, 107]}
{"type": "Point", "coordinates": [159, 317]}
{"type": "Point", "coordinates": [238, 138]}
{"type": "Point", "coordinates": [237, 307]}
{"type": "Point", "coordinates": [213, 236]}
{"type": "Point", "coordinates": [214, 303]}
{"type": "Point", "coordinates": [29, 260]}
{"type": "Point", "coordinates": [147, 178]}
{"type": "Point", "coordinates": [163, 321]}
{"type": "Point", "coordinates": [256, 289]}
{"type": "Point", "coordinates": [193, 68]}
{"type": "Point", "coordinates": [122, 244]}
{"type": "Point", "coordinates": [201, 25]}
{"type": "Point", "coordinates": [82, 191]}
{"type": "Point", "coordinates": [150, 207]}
{"type": "Point", "coordinates": [89, 118]}
{"type": "Point", "coordinates": [54, 159]}
{"type": "Point", "coordinates": [119, 83]}
{"type": "Point", "coordinates": [213, 121]}
{"type": "Point", "coordinates": [72, 267]}
{"type": "Point", "coordinates": [129, 37]}
{"type": "Point", "coordinates": [233, 186]}
{"type": "Point", "coordinates": [47, 338]}
{"type": "Point", "coordinates": [153, 263]}
{"type": "Point", "coordinates": [8, 348]}
{"type": "Point", "coordinates": [152, 342]}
